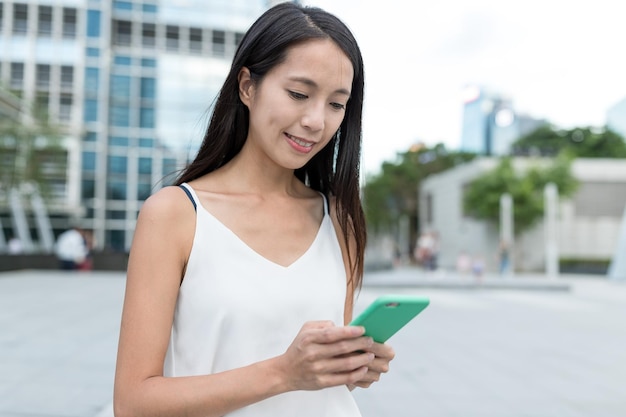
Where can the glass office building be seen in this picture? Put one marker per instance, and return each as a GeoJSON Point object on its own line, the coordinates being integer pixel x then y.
{"type": "Point", "coordinates": [491, 124]}
{"type": "Point", "coordinates": [130, 82]}
{"type": "Point", "coordinates": [616, 117]}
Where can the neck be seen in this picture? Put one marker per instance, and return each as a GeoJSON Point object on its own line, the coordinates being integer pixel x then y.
{"type": "Point", "coordinates": [249, 173]}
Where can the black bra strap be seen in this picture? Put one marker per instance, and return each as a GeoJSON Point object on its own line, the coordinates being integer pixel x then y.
{"type": "Point", "coordinates": [195, 207]}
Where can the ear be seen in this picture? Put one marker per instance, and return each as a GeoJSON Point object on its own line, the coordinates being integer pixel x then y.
{"type": "Point", "coordinates": [246, 86]}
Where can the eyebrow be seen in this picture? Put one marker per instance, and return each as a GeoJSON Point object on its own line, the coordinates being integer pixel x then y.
{"type": "Point", "coordinates": [311, 83]}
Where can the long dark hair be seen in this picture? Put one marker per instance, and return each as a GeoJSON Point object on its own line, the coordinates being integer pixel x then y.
{"type": "Point", "coordinates": [335, 169]}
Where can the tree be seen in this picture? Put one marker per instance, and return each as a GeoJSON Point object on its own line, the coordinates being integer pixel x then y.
{"type": "Point", "coordinates": [482, 196]}
{"type": "Point", "coordinates": [393, 192]}
{"type": "Point", "coordinates": [30, 153]}
{"type": "Point", "coordinates": [584, 142]}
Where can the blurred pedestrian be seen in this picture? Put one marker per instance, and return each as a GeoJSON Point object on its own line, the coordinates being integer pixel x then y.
{"type": "Point", "coordinates": [71, 249]}
{"type": "Point", "coordinates": [87, 263]}
{"type": "Point", "coordinates": [504, 257]}
{"type": "Point", "coordinates": [241, 279]}
{"type": "Point", "coordinates": [463, 263]}
{"type": "Point", "coordinates": [15, 246]}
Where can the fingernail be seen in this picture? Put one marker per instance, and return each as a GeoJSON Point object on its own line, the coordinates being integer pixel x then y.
{"type": "Point", "coordinates": [358, 330]}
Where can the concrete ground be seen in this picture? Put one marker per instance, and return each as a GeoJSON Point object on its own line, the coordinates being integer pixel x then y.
{"type": "Point", "coordinates": [520, 346]}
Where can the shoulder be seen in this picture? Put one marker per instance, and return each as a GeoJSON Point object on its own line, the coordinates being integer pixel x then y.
{"type": "Point", "coordinates": [165, 226]}
{"type": "Point", "coordinates": [168, 203]}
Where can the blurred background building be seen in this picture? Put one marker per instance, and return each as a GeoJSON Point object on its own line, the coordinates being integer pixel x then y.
{"type": "Point", "coordinates": [490, 122]}
{"type": "Point", "coordinates": [588, 223]}
{"type": "Point", "coordinates": [129, 85]}
{"type": "Point", "coordinates": [616, 117]}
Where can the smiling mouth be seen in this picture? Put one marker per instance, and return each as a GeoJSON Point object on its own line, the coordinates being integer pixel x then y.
{"type": "Point", "coordinates": [300, 141]}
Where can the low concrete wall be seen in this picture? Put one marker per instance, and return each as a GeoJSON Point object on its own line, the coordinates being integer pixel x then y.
{"type": "Point", "coordinates": [102, 261]}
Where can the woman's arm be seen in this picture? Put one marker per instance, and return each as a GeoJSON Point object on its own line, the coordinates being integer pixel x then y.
{"type": "Point", "coordinates": [161, 245]}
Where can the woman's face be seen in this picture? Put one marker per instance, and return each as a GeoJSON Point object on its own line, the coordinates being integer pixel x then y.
{"type": "Point", "coordinates": [299, 104]}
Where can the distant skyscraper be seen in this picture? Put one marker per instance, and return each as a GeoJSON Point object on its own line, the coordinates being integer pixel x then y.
{"type": "Point", "coordinates": [616, 118]}
{"type": "Point", "coordinates": [131, 82]}
{"type": "Point", "coordinates": [490, 123]}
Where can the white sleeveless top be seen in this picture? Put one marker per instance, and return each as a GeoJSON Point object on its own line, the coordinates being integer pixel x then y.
{"type": "Point", "coordinates": [236, 307]}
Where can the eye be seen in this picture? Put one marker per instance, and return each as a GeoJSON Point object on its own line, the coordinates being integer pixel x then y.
{"type": "Point", "coordinates": [338, 106]}
{"type": "Point", "coordinates": [297, 96]}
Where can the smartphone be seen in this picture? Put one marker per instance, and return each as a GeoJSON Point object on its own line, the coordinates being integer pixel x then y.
{"type": "Point", "coordinates": [388, 314]}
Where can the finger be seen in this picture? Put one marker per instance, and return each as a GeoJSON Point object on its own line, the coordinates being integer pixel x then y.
{"type": "Point", "coordinates": [379, 366]}
{"type": "Point", "coordinates": [343, 364]}
{"type": "Point", "coordinates": [344, 378]}
{"type": "Point", "coordinates": [336, 334]}
{"type": "Point", "coordinates": [321, 324]}
{"type": "Point", "coordinates": [346, 347]}
{"type": "Point", "coordinates": [382, 350]}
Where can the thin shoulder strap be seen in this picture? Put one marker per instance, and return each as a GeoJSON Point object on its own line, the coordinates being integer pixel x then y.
{"type": "Point", "coordinates": [185, 188]}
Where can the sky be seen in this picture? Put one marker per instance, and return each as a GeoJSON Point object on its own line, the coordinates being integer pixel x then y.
{"type": "Point", "coordinates": [563, 61]}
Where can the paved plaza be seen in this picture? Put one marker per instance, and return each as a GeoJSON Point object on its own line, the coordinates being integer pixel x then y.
{"type": "Point", "coordinates": [522, 346]}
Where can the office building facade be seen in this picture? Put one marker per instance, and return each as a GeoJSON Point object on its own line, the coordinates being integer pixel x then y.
{"type": "Point", "coordinates": [491, 124]}
{"type": "Point", "coordinates": [616, 118]}
{"type": "Point", "coordinates": [130, 83]}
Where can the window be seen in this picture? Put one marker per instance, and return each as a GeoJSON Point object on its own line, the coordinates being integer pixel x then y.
{"type": "Point", "coordinates": [238, 38]}
{"type": "Point", "coordinates": [122, 5]}
{"type": "Point", "coordinates": [91, 110]}
{"type": "Point", "coordinates": [171, 37]}
{"type": "Point", "coordinates": [169, 166]}
{"type": "Point", "coordinates": [67, 76]}
{"type": "Point", "coordinates": [116, 214]}
{"type": "Point", "coordinates": [120, 87]}
{"type": "Point", "coordinates": [93, 23]}
{"type": "Point", "coordinates": [90, 137]}
{"type": "Point", "coordinates": [120, 115]}
{"type": "Point", "coordinates": [144, 189]}
{"type": "Point", "coordinates": [118, 141]}
{"type": "Point", "coordinates": [65, 106]}
{"type": "Point", "coordinates": [117, 164]}
{"type": "Point", "coordinates": [116, 190]}
{"type": "Point", "coordinates": [148, 34]}
{"type": "Point", "coordinates": [146, 117]}
{"type": "Point", "coordinates": [146, 143]}
{"type": "Point", "coordinates": [43, 76]}
{"type": "Point", "coordinates": [92, 80]}
{"type": "Point", "coordinates": [17, 75]}
{"type": "Point", "coordinates": [20, 18]}
{"type": "Point", "coordinates": [42, 101]}
{"type": "Point", "coordinates": [89, 161]}
{"type": "Point", "coordinates": [69, 22]}
{"type": "Point", "coordinates": [219, 42]}
{"type": "Point", "coordinates": [148, 63]}
{"type": "Point", "coordinates": [122, 32]}
{"type": "Point", "coordinates": [195, 39]}
{"type": "Point", "coordinates": [44, 24]}
{"type": "Point", "coordinates": [148, 88]}
{"type": "Point", "coordinates": [145, 166]}
{"type": "Point", "coordinates": [93, 52]}
{"type": "Point", "coordinates": [149, 8]}
{"type": "Point", "coordinates": [115, 238]}
{"type": "Point", "coordinates": [88, 189]}
{"type": "Point", "coordinates": [122, 60]}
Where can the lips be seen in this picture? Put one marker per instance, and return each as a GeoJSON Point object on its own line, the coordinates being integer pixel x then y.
{"type": "Point", "coordinates": [301, 142]}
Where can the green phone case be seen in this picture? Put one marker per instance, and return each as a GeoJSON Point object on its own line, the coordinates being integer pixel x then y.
{"type": "Point", "coordinates": [388, 314]}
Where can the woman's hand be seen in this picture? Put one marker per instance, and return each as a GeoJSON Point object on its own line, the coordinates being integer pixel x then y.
{"type": "Point", "coordinates": [324, 355]}
{"type": "Point", "coordinates": [383, 355]}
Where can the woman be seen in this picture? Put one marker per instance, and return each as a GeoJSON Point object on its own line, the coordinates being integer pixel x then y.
{"type": "Point", "coordinates": [241, 279]}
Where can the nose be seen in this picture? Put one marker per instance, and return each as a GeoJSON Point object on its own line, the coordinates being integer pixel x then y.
{"type": "Point", "coordinates": [313, 117]}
